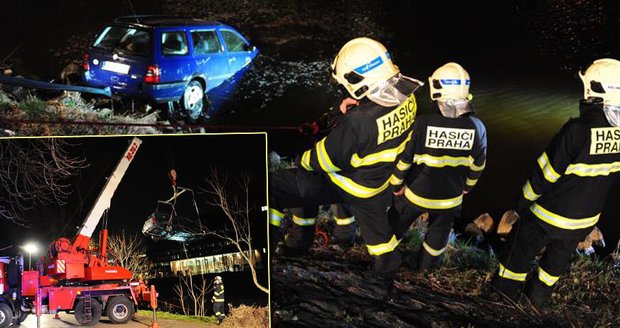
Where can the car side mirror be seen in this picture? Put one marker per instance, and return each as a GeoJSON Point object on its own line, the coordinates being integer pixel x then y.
{"type": "Point", "coordinates": [248, 47]}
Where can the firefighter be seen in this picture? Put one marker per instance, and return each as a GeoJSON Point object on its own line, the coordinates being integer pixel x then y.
{"type": "Point", "coordinates": [563, 199]}
{"type": "Point", "coordinates": [300, 235]}
{"type": "Point", "coordinates": [353, 163]}
{"type": "Point", "coordinates": [443, 161]}
{"type": "Point", "coordinates": [218, 299]}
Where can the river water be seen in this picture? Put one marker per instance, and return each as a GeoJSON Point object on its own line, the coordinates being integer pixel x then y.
{"type": "Point", "coordinates": [522, 55]}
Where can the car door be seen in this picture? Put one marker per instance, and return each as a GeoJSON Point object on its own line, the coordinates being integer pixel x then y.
{"type": "Point", "coordinates": [240, 53]}
{"type": "Point", "coordinates": [176, 64]}
{"type": "Point", "coordinates": [209, 56]}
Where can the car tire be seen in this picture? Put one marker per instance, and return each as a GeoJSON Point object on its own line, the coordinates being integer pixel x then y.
{"type": "Point", "coordinates": [80, 316]}
{"type": "Point", "coordinates": [193, 100]}
{"type": "Point", "coordinates": [120, 309]}
{"type": "Point", "coordinates": [6, 315]}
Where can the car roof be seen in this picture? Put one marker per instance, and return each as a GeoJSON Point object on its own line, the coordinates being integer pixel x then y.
{"type": "Point", "coordinates": [162, 20]}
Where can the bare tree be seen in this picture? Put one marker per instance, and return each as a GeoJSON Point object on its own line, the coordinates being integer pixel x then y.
{"type": "Point", "coordinates": [33, 173]}
{"type": "Point", "coordinates": [197, 291]}
{"type": "Point", "coordinates": [130, 253]}
{"type": "Point", "coordinates": [237, 212]}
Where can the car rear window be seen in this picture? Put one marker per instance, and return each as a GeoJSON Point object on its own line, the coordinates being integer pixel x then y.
{"type": "Point", "coordinates": [127, 40]}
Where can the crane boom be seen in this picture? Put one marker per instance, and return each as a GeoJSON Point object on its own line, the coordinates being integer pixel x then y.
{"type": "Point", "coordinates": [103, 200]}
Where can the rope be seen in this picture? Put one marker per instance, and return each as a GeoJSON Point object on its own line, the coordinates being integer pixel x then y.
{"type": "Point", "coordinates": [227, 128]}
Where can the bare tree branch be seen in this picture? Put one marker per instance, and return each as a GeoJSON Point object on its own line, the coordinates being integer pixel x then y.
{"type": "Point", "coordinates": [129, 252]}
{"type": "Point", "coordinates": [32, 174]}
{"type": "Point", "coordinates": [237, 212]}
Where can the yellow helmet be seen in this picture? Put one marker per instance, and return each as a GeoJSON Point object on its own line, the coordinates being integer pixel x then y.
{"type": "Point", "coordinates": [362, 65]}
{"type": "Point", "coordinates": [602, 79]}
{"type": "Point", "coordinates": [450, 81]}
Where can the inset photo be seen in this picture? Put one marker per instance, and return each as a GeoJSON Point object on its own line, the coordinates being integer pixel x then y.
{"type": "Point", "coordinates": [160, 230]}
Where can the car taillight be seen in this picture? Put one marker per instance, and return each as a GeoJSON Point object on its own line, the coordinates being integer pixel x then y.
{"type": "Point", "coordinates": [85, 65]}
{"type": "Point", "coordinates": [153, 73]}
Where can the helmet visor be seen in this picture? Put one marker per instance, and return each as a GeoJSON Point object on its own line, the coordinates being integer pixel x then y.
{"type": "Point", "coordinates": [612, 113]}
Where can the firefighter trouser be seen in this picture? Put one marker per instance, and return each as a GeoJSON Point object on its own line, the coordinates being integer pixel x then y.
{"type": "Point", "coordinates": [524, 242]}
{"type": "Point", "coordinates": [219, 309]}
{"type": "Point", "coordinates": [300, 188]}
{"type": "Point", "coordinates": [345, 226]}
{"type": "Point", "coordinates": [300, 234]}
{"type": "Point", "coordinates": [301, 231]}
{"type": "Point", "coordinates": [435, 239]}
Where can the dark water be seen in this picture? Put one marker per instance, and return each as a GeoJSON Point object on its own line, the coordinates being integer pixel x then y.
{"type": "Point", "coordinates": [522, 57]}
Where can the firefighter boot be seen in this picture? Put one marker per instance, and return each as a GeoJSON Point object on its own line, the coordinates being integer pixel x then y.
{"type": "Point", "coordinates": [428, 262]}
{"type": "Point", "coordinates": [507, 288]}
{"type": "Point", "coordinates": [344, 234]}
{"type": "Point", "coordinates": [299, 239]}
{"type": "Point", "coordinates": [385, 268]}
{"type": "Point", "coordinates": [538, 292]}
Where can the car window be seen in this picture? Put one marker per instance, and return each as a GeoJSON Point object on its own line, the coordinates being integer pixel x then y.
{"type": "Point", "coordinates": [234, 41]}
{"type": "Point", "coordinates": [206, 42]}
{"type": "Point", "coordinates": [125, 39]}
{"type": "Point", "coordinates": [174, 43]}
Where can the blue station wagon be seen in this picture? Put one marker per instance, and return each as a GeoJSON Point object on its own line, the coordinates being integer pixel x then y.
{"type": "Point", "coordinates": [164, 59]}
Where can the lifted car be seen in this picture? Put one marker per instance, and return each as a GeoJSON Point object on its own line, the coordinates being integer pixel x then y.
{"type": "Point", "coordinates": [166, 60]}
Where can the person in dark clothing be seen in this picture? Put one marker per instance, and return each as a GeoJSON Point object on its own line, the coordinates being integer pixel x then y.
{"type": "Point", "coordinates": [441, 163]}
{"type": "Point", "coordinates": [218, 300]}
{"type": "Point", "coordinates": [563, 199]}
{"type": "Point", "coordinates": [354, 162]}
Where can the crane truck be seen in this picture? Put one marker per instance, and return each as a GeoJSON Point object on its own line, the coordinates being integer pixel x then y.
{"type": "Point", "coordinates": [75, 277]}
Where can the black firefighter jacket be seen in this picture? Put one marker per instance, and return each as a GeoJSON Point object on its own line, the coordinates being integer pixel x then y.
{"type": "Point", "coordinates": [358, 155]}
{"type": "Point", "coordinates": [568, 187]}
{"type": "Point", "coordinates": [448, 156]}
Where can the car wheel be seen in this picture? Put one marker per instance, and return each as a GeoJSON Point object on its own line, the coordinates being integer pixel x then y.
{"type": "Point", "coordinates": [119, 309]}
{"type": "Point", "coordinates": [6, 315]}
{"type": "Point", "coordinates": [193, 100]}
{"type": "Point", "coordinates": [81, 316]}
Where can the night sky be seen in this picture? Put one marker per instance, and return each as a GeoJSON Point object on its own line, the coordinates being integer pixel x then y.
{"type": "Point", "coordinates": [146, 181]}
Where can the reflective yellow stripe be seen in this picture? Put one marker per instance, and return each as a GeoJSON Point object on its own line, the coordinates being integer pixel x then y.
{"type": "Point", "coordinates": [477, 168]}
{"type": "Point", "coordinates": [402, 166]}
{"type": "Point", "coordinates": [219, 300]}
{"type": "Point", "coordinates": [383, 248]}
{"type": "Point", "coordinates": [218, 313]}
{"type": "Point", "coordinates": [275, 217]}
{"type": "Point", "coordinates": [354, 188]}
{"type": "Point", "coordinates": [387, 155]}
{"type": "Point", "coordinates": [528, 192]}
{"type": "Point", "coordinates": [562, 222]}
{"type": "Point", "coordinates": [442, 161]}
{"type": "Point", "coordinates": [550, 174]}
{"type": "Point", "coordinates": [344, 221]}
{"type": "Point", "coordinates": [432, 251]}
{"type": "Point", "coordinates": [436, 204]}
{"type": "Point", "coordinates": [471, 182]}
{"type": "Point", "coordinates": [548, 279]}
{"type": "Point", "coordinates": [323, 157]}
{"type": "Point", "coordinates": [592, 170]}
{"type": "Point", "coordinates": [505, 273]}
{"type": "Point", "coordinates": [305, 160]}
{"type": "Point", "coordinates": [395, 181]}
{"type": "Point", "coordinates": [303, 222]}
